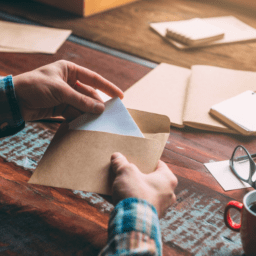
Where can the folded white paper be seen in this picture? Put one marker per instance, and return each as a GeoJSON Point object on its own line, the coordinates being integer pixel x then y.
{"type": "Point", "coordinates": [115, 119]}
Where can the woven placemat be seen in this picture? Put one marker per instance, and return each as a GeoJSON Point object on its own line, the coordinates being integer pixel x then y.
{"type": "Point", "coordinates": [27, 147]}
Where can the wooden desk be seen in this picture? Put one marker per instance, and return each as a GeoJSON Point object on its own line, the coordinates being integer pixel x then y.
{"type": "Point", "coordinates": [127, 29]}
{"type": "Point", "coordinates": [38, 220]}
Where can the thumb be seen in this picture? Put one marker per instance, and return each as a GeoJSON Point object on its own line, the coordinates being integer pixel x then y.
{"type": "Point", "coordinates": [161, 166]}
{"type": "Point", "coordinates": [117, 161]}
{"type": "Point", "coordinates": [81, 101]}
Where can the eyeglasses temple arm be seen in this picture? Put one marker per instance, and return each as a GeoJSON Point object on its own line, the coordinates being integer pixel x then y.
{"type": "Point", "coordinates": [253, 184]}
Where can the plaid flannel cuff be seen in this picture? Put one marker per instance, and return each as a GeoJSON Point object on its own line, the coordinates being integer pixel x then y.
{"type": "Point", "coordinates": [137, 219]}
{"type": "Point", "coordinates": [11, 120]}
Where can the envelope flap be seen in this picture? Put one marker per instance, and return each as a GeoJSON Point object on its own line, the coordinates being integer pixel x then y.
{"type": "Point", "coordinates": [153, 126]}
{"type": "Point", "coordinates": [150, 122]}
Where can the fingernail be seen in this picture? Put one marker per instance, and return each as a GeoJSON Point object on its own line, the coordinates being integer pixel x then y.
{"type": "Point", "coordinates": [98, 107]}
{"type": "Point", "coordinates": [116, 156]}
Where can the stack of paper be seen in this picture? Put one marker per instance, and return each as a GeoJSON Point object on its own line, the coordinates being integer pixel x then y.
{"type": "Point", "coordinates": [234, 31]}
{"type": "Point", "coordinates": [30, 39]}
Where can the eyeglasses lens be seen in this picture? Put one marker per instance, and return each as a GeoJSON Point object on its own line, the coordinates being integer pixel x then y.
{"type": "Point", "coordinates": [241, 163]}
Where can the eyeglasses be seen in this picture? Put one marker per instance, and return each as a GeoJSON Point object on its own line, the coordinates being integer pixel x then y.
{"type": "Point", "coordinates": [243, 166]}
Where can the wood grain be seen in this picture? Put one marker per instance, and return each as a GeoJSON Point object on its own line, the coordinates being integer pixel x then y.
{"type": "Point", "coordinates": [121, 72]}
{"type": "Point", "coordinates": [247, 6]}
{"type": "Point", "coordinates": [51, 220]}
{"type": "Point", "coordinates": [37, 220]}
{"type": "Point", "coordinates": [59, 214]}
{"type": "Point", "coordinates": [127, 29]}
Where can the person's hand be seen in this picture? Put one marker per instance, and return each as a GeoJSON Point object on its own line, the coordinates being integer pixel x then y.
{"type": "Point", "coordinates": [157, 187]}
{"type": "Point", "coordinates": [61, 89]}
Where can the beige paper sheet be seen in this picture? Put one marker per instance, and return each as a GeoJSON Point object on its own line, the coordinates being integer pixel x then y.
{"type": "Point", "coordinates": [210, 85]}
{"type": "Point", "coordinates": [161, 91]}
{"type": "Point", "coordinates": [28, 38]}
{"type": "Point", "coordinates": [81, 159]}
{"type": "Point", "coordinates": [186, 96]}
{"type": "Point", "coordinates": [235, 31]}
{"type": "Point", "coordinates": [17, 50]}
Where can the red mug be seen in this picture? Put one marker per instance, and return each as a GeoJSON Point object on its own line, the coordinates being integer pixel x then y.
{"type": "Point", "coordinates": [247, 227]}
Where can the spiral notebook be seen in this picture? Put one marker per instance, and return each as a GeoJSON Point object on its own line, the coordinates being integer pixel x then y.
{"type": "Point", "coordinates": [194, 31]}
{"type": "Point", "coordinates": [235, 31]}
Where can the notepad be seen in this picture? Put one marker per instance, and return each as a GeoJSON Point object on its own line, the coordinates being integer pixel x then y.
{"type": "Point", "coordinates": [193, 31]}
{"type": "Point", "coordinates": [238, 112]}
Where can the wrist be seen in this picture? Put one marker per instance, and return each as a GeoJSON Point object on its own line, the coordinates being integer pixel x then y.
{"type": "Point", "coordinates": [142, 209]}
{"type": "Point", "coordinates": [133, 216]}
{"type": "Point", "coordinates": [128, 201]}
{"type": "Point", "coordinates": [11, 120]}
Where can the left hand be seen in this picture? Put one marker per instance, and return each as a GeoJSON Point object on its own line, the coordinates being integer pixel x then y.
{"type": "Point", "coordinates": [61, 89]}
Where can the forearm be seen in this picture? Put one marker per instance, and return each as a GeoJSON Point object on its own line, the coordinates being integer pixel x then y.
{"type": "Point", "coordinates": [133, 229]}
{"type": "Point", "coordinates": [11, 120]}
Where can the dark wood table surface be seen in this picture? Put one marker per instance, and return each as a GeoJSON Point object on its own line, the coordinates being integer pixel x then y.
{"type": "Point", "coordinates": [127, 29]}
{"type": "Point", "coordinates": [39, 220]}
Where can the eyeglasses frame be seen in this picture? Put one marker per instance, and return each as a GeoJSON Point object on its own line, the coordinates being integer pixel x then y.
{"type": "Point", "coordinates": [252, 166]}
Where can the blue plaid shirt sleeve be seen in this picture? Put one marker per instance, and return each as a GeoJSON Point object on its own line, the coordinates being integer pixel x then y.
{"type": "Point", "coordinates": [11, 120]}
{"type": "Point", "coordinates": [133, 229]}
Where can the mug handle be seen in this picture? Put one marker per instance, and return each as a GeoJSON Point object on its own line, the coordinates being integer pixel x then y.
{"type": "Point", "coordinates": [227, 218]}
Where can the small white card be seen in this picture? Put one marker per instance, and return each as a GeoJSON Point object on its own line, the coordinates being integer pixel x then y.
{"type": "Point", "coordinates": [115, 119]}
{"type": "Point", "coordinates": [225, 177]}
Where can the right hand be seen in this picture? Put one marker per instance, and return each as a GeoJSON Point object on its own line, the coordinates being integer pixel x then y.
{"type": "Point", "coordinates": [157, 187]}
{"type": "Point", "coordinates": [63, 89]}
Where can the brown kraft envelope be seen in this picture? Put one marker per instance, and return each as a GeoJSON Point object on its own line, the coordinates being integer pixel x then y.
{"type": "Point", "coordinates": [80, 160]}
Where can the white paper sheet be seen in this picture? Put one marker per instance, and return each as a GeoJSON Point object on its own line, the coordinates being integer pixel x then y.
{"type": "Point", "coordinates": [115, 119]}
{"type": "Point", "coordinates": [225, 177]}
